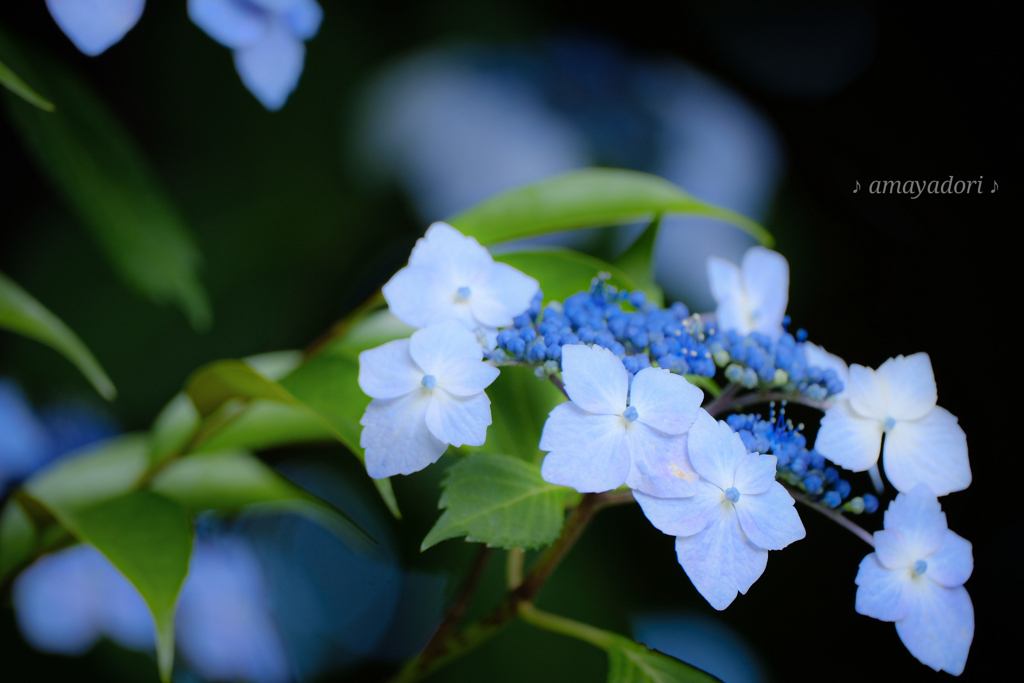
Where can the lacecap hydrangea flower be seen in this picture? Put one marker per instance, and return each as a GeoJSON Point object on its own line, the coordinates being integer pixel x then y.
{"type": "Point", "coordinates": [923, 442]}
{"type": "Point", "coordinates": [451, 277]}
{"type": "Point", "coordinates": [428, 392]}
{"type": "Point", "coordinates": [916, 578]}
{"type": "Point", "coordinates": [735, 515]}
{"type": "Point", "coordinates": [751, 297]}
{"type": "Point", "coordinates": [619, 429]}
{"type": "Point", "coordinates": [95, 25]}
{"type": "Point", "coordinates": [268, 38]}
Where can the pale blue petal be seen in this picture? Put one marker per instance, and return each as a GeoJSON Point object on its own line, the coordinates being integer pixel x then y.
{"type": "Point", "coordinates": [595, 379]}
{"type": "Point", "coordinates": [683, 516]}
{"type": "Point", "coordinates": [952, 563]}
{"type": "Point", "coordinates": [436, 348]}
{"type": "Point", "coordinates": [892, 550]}
{"type": "Point", "coordinates": [660, 465]}
{"type": "Point", "coordinates": [388, 371]}
{"type": "Point", "coordinates": [869, 393]}
{"type": "Point", "coordinates": [939, 628]}
{"type": "Point", "coordinates": [817, 356]}
{"type": "Point", "coordinates": [880, 591]}
{"type": "Point", "coordinates": [446, 250]}
{"type": "Point", "coordinates": [919, 517]}
{"type": "Point", "coordinates": [587, 452]}
{"type": "Point", "coordinates": [466, 377]}
{"type": "Point", "coordinates": [664, 401]}
{"type": "Point", "coordinates": [847, 439]}
{"type": "Point", "coordinates": [755, 473]}
{"type": "Point", "coordinates": [720, 560]}
{"type": "Point", "coordinates": [912, 391]}
{"type": "Point", "coordinates": [395, 436]}
{"type": "Point", "coordinates": [769, 519]}
{"type": "Point", "coordinates": [930, 451]}
{"type": "Point", "coordinates": [95, 25]}
{"type": "Point", "coordinates": [502, 294]}
{"type": "Point", "coordinates": [230, 22]}
{"type": "Point", "coordinates": [715, 450]}
{"type": "Point", "coordinates": [421, 296]}
{"type": "Point", "coordinates": [304, 17]}
{"type": "Point", "coordinates": [766, 282]}
{"type": "Point", "coordinates": [270, 67]}
{"type": "Point", "coordinates": [725, 279]}
{"type": "Point", "coordinates": [460, 421]}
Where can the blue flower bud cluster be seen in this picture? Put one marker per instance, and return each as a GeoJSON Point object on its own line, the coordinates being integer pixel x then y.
{"type": "Point", "coordinates": [756, 361]}
{"type": "Point", "coordinates": [638, 331]}
{"type": "Point", "coordinates": [805, 469]}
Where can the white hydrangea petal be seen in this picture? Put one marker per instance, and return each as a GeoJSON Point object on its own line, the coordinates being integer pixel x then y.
{"type": "Point", "coordinates": [665, 401]}
{"type": "Point", "coordinates": [395, 436]}
{"type": "Point", "coordinates": [446, 250]}
{"type": "Point", "coordinates": [421, 296]}
{"type": "Point", "coordinates": [587, 452]}
{"type": "Point", "coordinates": [755, 473]}
{"type": "Point", "coordinates": [231, 23]}
{"type": "Point", "coordinates": [659, 465]}
{"type": "Point", "coordinates": [847, 439]}
{"type": "Point", "coordinates": [501, 294]}
{"type": "Point", "coordinates": [95, 25]}
{"type": "Point", "coordinates": [595, 379]}
{"type": "Point", "coordinates": [437, 347]}
{"type": "Point", "coordinates": [715, 450]}
{"type": "Point", "coordinates": [939, 627]}
{"type": "Point", "coordinates": [817, 356]}
{"type": "Point", "coordinates": [880, 591]}
{"type": "Point", "coordinates": [683, 516]}
{"type": "Point", "coordinates": [725, 279]}
{"type": "Point", "coordinates": [270, 67]}
{"type": "Point", "coordinates": [932, 451]}
{"type": "Point", "coordinates": [388, 371]}
{"type": "Point", "coordinates": [467, 377]}
{"type": "Point", "coordinates": [458, 420]}
{"type": "Point", "coordinates": [769, 519]}
{"type": "Point", "coordinates": [720, 560]}
{"type": "Point", "coordinates": [919, 517]}
{"type": "Point", "coordinates": [893, 551]}
{"type": "Point", "coordinates": [953, 563]}
{"type": "Point", "coordinates": [766, 282]}
{"type": "Point", "coordinates": [304, 18]}
{"type": "Point", "coordinates": [911, 382]}
{"type": "Point", "coordinates": [868, 393]}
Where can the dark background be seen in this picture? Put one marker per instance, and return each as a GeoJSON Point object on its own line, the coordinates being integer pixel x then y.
{"type": "Point", "coordinates": [292, 242]}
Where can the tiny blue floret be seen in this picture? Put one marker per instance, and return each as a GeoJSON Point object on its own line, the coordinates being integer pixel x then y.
{"type": "Point", "coordinates": [630, 414]}
{"type": "Point", "coordinates": [889, 424]}
{"type": "Point", "coordinates": [920, 567]}
{"type": "Point", "coordinates": [732, 494]}
{"type": "Point", "coordinates": [463, 292]}
{"type": "Point", "coordinates": [870, 503]}
{"type": "Point", "coordinates": [429, 381]}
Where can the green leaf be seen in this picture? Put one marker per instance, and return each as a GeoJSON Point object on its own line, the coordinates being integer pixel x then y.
{"type": "Point", "coordinates": [215, 384]}
{"type": "Point", "coordinates": [21, 313]}
{"type": "Point", "coordinates": [268, 424]}
{"type": "Point", "coordinates": [102, 472]}
{"type": "Point", "coordinates": [631, 662]}
{"type": "Point", "coordinates": [174, 428]}
{"type": "Point", "coordinates": [17, 538]}
{"type": "Point", "coordinates": [10, 80]}
{"type": "Point", "coordinates": [563, 272]}
{"type": "Point", "coordinates": [708, 384]}
{"type": "Point", "coordinates": [500, 501]}
{"type": "Point", "coordinates": [591, 197]}
{"type": "Point", "coordinates": [149, 539]}
{"type": "Point", "coordinates": [638, 261]}
{"type": "Point", "coordinates": [373, 330]}
{"type": "Point", "coordinates": [520, 404]}
{"type": "Point", "coordinates": [93, 161]}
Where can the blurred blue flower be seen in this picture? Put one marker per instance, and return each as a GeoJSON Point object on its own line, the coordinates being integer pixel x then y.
{"type": "Point", "coordinates": [24, 443]}
{"type": "Point", "coordinates": [95, 25]}
{"type": "Point", "coordinates": [268, 38]}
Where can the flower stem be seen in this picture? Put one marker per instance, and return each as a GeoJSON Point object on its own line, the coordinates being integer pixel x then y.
{"type": "Point", "coordinates": [567, 627]}
{"type": "Point", "coordinates": [836, 517]}
{"type": "Point", "coordinates": [458, 608]}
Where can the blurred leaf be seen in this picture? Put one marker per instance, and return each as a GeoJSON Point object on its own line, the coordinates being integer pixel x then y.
{"type": "Point", "coordinates": [235, 480]}
{"type": "Point", "coordinates": [563, 272]}
{"type": "Point", "coordinates": [17, 538]}
{"type": "Point", "coordinates": [268, 424]}
{"type": "Point", "coordinates": [708, 384]}
{"type": "Point", "coordinates": [99, 473]}
{"type": "Point", "coordinates": [94, 162]}
{"type": "Point", "coordinates": [520, 404]}
{"type": "Point", "coordinates": [21, 313]}
{"type": "Point", "coordinates": [213, 385]}
{"type": "Point", "coordinates": [632, 662]}
{"type": "Point", "coordinates": [371, 331]}
{"type": "Point", "coordinates": [590, 197]}
{"type": "Point", "coordinates": [10, 80]}
{"type": "Point", "coordinates": [638, 261]}
{"type": "Point", "coordinates": [173, 428]}
{"type": "Point", "coordinates": [149, 539]}
{"type": "Point", "coordinates": [500, 501]}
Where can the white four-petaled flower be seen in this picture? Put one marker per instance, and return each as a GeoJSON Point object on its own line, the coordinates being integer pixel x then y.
{"type": "Point", "coordinates": [451, 277]}
{"type": "Point", "coordinates": [428, 392]}
{"type": "Point", "coordinates": [915, 577]}
{"type": "Point", "coordinates": [737, 513]}
{"type": "Point", "coordinates": [923, 442]}
{"type": "Point", "coordinates": [751, 297]}
{"type": "Point", "coordinates": [612, 432]}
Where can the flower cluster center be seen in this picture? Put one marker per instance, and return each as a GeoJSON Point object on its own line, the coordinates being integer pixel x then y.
{"type": "Point", "coordinates": [429, 381]}
{"type": "Point", "coordinates": [732, 494]}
